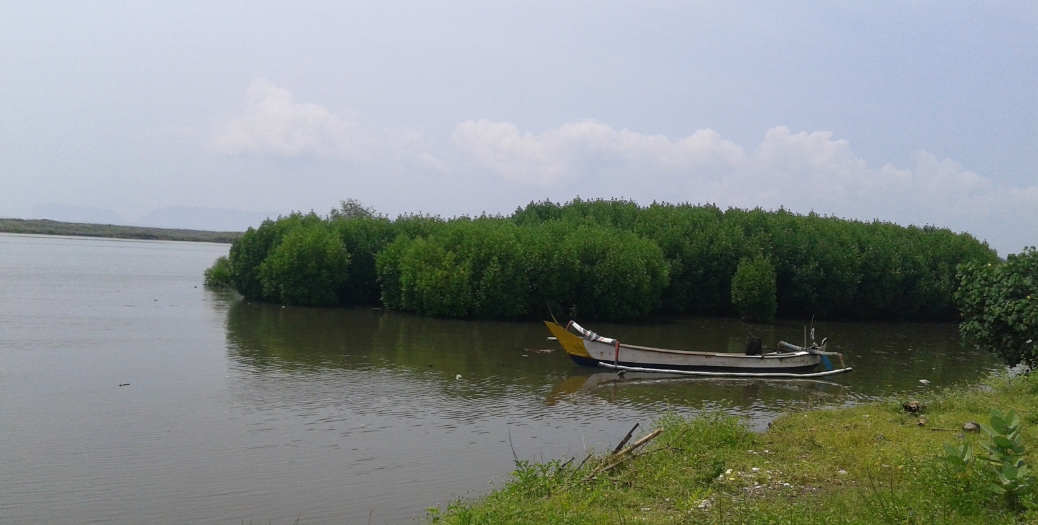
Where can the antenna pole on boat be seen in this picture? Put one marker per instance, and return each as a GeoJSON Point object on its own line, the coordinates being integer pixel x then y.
{"type": "Point", "coordinates": [552, 314]}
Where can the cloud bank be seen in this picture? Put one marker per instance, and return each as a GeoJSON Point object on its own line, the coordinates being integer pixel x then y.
{"type": "Point", "coordinates": [273, 123]}
{"type": "Point", "coordinates": [800, 170]}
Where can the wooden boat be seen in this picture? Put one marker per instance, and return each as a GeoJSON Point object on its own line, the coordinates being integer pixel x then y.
{"type": "Point", "coordinates": [791, 361]}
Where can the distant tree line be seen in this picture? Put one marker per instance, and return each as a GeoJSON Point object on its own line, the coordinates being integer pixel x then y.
{"type": "Point", "coordinates": [605, 260]}
{"type": "Point", "coordinates": [49, 227]}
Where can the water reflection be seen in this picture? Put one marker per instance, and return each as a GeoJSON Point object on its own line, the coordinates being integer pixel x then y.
{"type": "Point", "coordinates": [434, 407]}
{"type": "Point", "coordinates": [494, 359]}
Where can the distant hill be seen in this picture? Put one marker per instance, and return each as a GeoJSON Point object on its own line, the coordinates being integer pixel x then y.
{"type": "Point", "coordinates": [60, 211]}
{"type": "Point", "coordinates": [198, 218]}
{"type": "Point", "coordinates": [49, 227]}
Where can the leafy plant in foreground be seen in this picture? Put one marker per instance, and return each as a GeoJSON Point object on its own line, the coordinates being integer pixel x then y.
{"type": "Point", "coordinates": [1011, 477]}
{"type": "Point", "coordinates": [1005, 454]}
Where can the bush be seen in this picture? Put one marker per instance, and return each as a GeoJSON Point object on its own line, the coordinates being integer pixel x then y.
{"type": "Point", "coordinates": [999, 304]}
{"type": "Point", "coordinates": [254, 246]}
{"type": "Point", "coordinates": [363, 238]}
{"type": "Point", "coordinates": [753, 289]}
{"type": "Point", "coordinates": [308, 267]}
{"type": "Point", "coordinates": [219, 274]}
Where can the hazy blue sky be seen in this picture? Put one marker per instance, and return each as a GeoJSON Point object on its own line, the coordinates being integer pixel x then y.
{"type": "Point", "coordinates": [915, 112]}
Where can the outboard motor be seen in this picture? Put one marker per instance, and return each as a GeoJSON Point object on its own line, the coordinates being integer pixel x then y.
{"type": "Point", "coordinates": [753, 346]}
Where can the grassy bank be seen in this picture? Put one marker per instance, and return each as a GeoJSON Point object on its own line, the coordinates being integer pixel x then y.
{"type": "Point", "coordinates": [49, 227]}
{"type": "Point", "coordinates": [868, 464]}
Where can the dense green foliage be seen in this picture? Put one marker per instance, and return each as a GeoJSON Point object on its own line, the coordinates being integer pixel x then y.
{"type": "Point", "coordinates": [999, 303]}
{"type": "Point", "coordinates": [308, 267]}
{"type": "Point", "coordinates": [825, 266]}
{"type": "Point", "coordinates": [219, 274]}
{"type": "Point", "coordinates": [613, 260]}
{"type": "Point", "coordinates": [753, 289]}
{"type": "Point", "coordinates": [496, 269]}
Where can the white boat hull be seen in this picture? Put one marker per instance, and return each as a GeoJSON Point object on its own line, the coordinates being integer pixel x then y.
{"type": "Point", "coordinates": [588, 348]}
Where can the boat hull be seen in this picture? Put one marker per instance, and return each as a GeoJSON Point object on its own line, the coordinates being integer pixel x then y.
{"type": "Point", "coordinates": [743, 367]}
{"type": "Point", "coordinates": [589, 349]}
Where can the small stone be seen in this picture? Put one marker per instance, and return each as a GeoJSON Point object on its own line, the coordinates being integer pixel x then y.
{"type": "Point", "coordinates": [457, 377]}
{"type": "Point", "coordinates": [921, 422]}
{"type": "Point", "coordinates": [755, 469]}
{"type": "Point", "coordinates": [841, 472]}
{"type": "Point", "coordinates": [705, 504]}
{"type": "Point", "coordinates": [970, 427]}
{"type": "Point", "coordinates": [912, 406]}
{"type": "Point", "coordinates": [924, 381]}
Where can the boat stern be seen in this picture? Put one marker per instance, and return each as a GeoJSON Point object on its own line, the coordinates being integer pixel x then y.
{"type": "Point", "coordinates": [572, 344]}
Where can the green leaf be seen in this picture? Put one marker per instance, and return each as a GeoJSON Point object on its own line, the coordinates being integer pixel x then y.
{"type": "Point", "coordinates": [1003, 443]}
{"type": "Point", "coordinates": [998, 423]}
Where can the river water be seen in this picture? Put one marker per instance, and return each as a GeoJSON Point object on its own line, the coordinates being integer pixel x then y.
{"type": "Point", "coordinates": [130, 393]}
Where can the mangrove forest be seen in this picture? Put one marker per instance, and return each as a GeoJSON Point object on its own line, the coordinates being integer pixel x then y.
{"type": "Point", "coordinates": [605, 260]}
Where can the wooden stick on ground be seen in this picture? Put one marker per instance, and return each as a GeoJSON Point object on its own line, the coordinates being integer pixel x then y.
{"type": "Point", "coordinates": [624, 454]}
{"type": "Point", "coordinates": [625, 439]}
{"type": "Point", "coordinates": [587, 457]}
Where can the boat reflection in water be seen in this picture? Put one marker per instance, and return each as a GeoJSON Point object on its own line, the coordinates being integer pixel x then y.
{"type": "Point", "coordinates": [744, 393]}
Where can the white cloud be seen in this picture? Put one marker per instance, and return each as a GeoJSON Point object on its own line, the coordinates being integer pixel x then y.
{"type": "Point", "coordinates": [579, 148]}
{"type": "Point", "coordinates": [802, 171]}
{"type": "Point", "coordinates": [273, 123]}
{"type": "Point", "coordinates": [496, 165]}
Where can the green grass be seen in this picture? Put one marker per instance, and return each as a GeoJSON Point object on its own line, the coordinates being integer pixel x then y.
{"type": "Point", "coordinates": [49, 227]}
{"type": "Point", "coordinates": [867, 464]}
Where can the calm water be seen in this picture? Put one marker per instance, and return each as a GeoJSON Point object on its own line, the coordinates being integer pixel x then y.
{"type": "Point", "coordinates": [238, 412]}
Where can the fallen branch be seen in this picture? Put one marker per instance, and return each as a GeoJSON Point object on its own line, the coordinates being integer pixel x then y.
{"type": "Point", "coordinates": [624, 454]}
{"type": "Point", "coordinates": [625, 439]}
{"type": "Point", "coordinates": [564, 465]}
{"type": "Point", "coordinates": [587, 457]}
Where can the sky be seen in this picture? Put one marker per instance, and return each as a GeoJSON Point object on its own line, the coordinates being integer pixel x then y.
{"type": "Point", "coordinates": [217, 114]}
